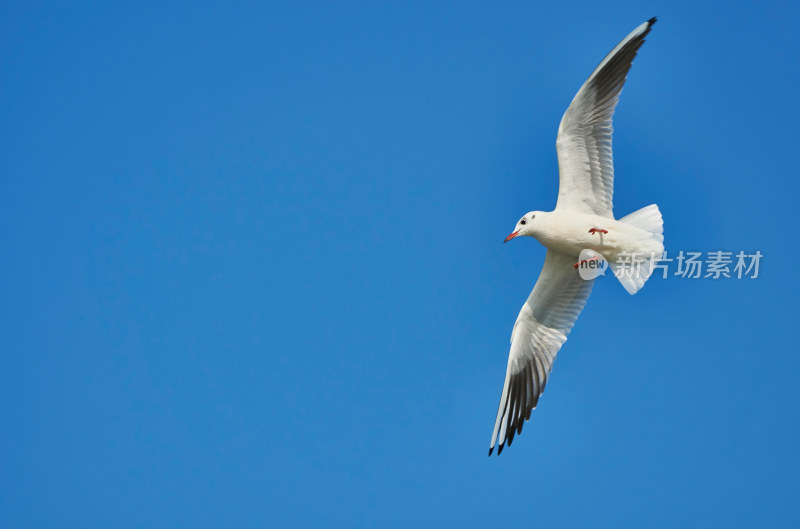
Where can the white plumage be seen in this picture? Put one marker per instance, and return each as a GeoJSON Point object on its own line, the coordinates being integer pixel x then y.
{"type": "Point", "coordinates": [583, 219]}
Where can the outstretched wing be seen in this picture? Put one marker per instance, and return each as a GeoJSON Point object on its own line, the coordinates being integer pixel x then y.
{"type": "Point", "coordinates": [541, 328]}
{"type": "Point", "coordinates": [585, 160]}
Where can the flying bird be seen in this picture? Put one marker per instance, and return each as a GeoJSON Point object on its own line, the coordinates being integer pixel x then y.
{"type": "Point", "coordinates": [582, 220]}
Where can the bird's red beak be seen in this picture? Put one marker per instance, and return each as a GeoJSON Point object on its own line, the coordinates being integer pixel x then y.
{"type": "Point", "coordinates": [511, 236]}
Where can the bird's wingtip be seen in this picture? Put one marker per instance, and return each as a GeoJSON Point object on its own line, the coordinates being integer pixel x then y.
{"type": "Point", "coordinates": [652, 21]}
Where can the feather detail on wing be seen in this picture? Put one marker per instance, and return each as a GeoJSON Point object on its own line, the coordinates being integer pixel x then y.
{"type": "Point", "coordinates": [585, 159]}
{"type": "Point", "coordinates": [541, 328]}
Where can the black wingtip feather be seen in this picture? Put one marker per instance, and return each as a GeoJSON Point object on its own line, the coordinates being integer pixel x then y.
{"type": "Point", "coordinates": [652, 21]}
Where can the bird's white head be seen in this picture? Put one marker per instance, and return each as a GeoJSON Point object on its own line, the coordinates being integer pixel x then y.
{"type": "Point", "coordinates": [527, 225]}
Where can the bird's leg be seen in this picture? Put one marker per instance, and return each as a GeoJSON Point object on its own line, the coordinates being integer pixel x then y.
{"type": "Point", "coordinates": [598, 230]}
{"type": "Point", "coordinates": [576, 265]}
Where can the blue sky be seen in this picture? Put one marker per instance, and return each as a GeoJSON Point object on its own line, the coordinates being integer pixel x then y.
{"type": "Point", "coordinates": [253, 271]}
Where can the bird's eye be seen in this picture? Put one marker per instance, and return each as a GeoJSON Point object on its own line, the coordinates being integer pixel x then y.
{"type": "Point", "coordinates": [522, 221]}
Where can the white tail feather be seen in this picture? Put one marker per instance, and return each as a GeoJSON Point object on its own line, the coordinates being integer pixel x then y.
{"type": "Point", "coordinates": [634, 272]}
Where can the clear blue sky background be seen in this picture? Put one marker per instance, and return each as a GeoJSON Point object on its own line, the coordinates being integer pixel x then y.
{"type": "Point", "coordinates": [253, 271]}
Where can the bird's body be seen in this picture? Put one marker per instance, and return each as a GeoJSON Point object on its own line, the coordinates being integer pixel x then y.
{"type": "Point", "coordinates": [567, 232]}
{"type": "Point", "coordinates": [582, 220]}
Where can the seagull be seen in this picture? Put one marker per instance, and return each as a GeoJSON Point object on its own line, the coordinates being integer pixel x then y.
{"type": "Point", "coordinates": [582, 221]}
